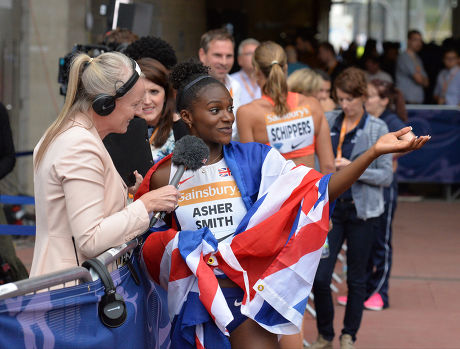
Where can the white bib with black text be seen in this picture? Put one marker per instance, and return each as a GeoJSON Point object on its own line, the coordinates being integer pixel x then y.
{"type": "Point", "coordinates": [292, 131]}
{"type": "Point", "coordinates": [210, 198]}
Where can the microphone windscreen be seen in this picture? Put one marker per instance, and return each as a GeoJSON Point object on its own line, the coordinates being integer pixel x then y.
{"type": "Point", "coordinates": [191, 152]}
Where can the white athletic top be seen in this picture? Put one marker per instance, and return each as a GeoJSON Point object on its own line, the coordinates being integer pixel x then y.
{"type": "Point", "coordinates": [210, 197]}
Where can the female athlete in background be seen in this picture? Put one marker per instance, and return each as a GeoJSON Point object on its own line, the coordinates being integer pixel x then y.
{"type": "Point", "coordinates": [290, 122]}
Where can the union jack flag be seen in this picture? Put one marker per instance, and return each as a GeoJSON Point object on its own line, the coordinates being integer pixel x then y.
{"type": "Point", "coordinates": [224, 172]}
{"type": "Point", "coordinates": [278, 243]}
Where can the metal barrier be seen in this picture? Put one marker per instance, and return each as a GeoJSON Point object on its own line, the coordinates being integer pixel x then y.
{"type": "Point", "coordinates": [33, 285]}
{"type": "Point", "coordinates": [35, 313]}
{"type": "Point", "coordinates": [113, 258]}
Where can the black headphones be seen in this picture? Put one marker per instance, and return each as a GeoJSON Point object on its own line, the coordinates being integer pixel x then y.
{"type": "Point", "coordinates": [104, 104]}
{"type": "Point", "coordinates": [112, 308]}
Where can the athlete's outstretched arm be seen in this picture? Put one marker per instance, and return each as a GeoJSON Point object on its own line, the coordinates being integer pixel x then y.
{"type": "Point", "coordinates": [244, 124]}
{"type": "Point", "coordinates": [389, 143]}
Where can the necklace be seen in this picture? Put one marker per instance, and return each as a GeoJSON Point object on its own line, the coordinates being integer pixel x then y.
{"type": "Point", "coordinates": [203, 169]}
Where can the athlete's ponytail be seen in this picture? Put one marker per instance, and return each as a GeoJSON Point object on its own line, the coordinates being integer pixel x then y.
{"type": "Point", "coordinates": [270, 59]}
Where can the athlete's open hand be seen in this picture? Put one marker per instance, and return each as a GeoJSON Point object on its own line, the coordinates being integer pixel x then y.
{"type": "Point", "coordinates": [392, 142]}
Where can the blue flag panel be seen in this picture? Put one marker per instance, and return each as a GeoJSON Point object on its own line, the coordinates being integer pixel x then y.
{"type": "Point", "coordinates": [439, 160]}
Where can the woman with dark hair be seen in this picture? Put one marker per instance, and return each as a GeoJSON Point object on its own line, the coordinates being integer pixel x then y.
{"type": "Point", "coordinates": [290, 122]}
{"type": "Point", "coordinates": [158, 107]}
{"type": "Point", "coordinates": [152, 47]}
{"type": "Point", "coordinates": [357, 210]}
{"type": "Point", "coordinates": [162, 51]}
{"type": "Point", "coordinates": [381, 102]}
{"type": "Point", "coordinates": [224, 269]}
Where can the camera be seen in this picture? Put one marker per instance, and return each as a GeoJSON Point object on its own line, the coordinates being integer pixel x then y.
{"type": "Point", "coordinates": [64, 62]}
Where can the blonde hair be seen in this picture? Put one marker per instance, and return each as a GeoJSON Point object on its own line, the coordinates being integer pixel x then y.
{"type": "Point", "coordinates": [88, 77]}
{"type": "Point", "coordinates": [270, 59]}
{"type": "Point", "coordinates": [305, 81]}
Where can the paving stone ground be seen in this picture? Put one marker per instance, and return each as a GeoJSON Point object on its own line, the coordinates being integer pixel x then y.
{"type": "Point", "coordinates": [424, 308]}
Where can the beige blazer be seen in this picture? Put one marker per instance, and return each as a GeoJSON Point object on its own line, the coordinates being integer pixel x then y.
{"type": "Point", "coordinates": [79, 193]}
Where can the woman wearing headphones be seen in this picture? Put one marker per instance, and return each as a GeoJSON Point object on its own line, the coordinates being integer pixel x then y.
{"type": "Point", "coordinates": [290, 122]}
{"type": "Point", "coordinates": [80, 199]}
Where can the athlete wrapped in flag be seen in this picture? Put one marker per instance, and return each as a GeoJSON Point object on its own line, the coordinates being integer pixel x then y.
{"type": "Point", "coordinates": [239, 255]}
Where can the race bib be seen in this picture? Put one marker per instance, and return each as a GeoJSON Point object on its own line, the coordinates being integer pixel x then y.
{"type": "Point", "coordinates": [217, 204]}
{"type": "Point", "coordinates": [292, 131]}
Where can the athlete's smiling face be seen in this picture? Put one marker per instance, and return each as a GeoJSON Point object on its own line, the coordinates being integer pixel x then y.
{"type": "Point", "coordinates": [211, 115]}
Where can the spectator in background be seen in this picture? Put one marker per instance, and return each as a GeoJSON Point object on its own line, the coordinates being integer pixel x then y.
{"type": "Point", "coordinates": [431, 56]}
{"type": "Point", "coordinates": [158, 107]}
{"type": "Point", "coordinates": [160, 50]}
{"type": "Point", "coordinates": [350, 56]}
{"type": "Point", "coordinates": [307, 47]}
{"type": "Point", "coordinates": [328, 59]}
{"type": "Point", "coordinates": [312, 83]}
{"type": "Point", "coordinates": [373, 71]}
{"type": "Point", "coordinates": [119, 39]}
{"type": "Point", "coordinates": [411, 77]}
{"type": "Point", "coordinates": [293, 62]}
{"type": "Point", "coordinates": [153, 47]}
{"type": "Point", "coordinates": [246, 77]}
{"type": "Point", "coordinates": [390, 57]}
{"type": "Point", "coordinates": [217, 52]}
{"type": "Point", "coordinates": [157, 57]}
{"type": "Point", "coordinates": [11, 267]}
{"type": "Point", "coordinates": [357, 210]}
{"type": "Point", "coordinates": [7, 154]}
{"type": "Point", "coordinates": [370, 49]}
{"type": "Point", "coordinates": [324, 94]}
{"type": "Point", "coordinates": [305, 81]}
{"type": "Point", "coordinates": [447, 90]}
{"type": "Point", "coordinates": [385, 103]}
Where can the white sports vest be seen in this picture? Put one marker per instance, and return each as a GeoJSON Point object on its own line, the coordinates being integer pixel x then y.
{"type": "Point", "coordinates": [210, 198]}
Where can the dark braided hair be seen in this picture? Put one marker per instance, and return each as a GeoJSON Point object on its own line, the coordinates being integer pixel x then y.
{"type": "Point", "coordinates": [152, 47]}
{"type": "Point", "coordinates": [185, 73]}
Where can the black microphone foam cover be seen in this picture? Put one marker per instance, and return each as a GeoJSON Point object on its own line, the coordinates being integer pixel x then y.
{"type": "Point", "coordinates": [191, 152]}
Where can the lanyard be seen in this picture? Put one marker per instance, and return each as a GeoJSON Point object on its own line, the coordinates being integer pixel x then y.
{"type": "Point", "coordinates": [343, 131]}
{"type": "Point", "coordinates": [248, 88]}
{"type": "Point", "coordinates": [228, 85]}
{"type": "Point", "coordinates": [153, 135]}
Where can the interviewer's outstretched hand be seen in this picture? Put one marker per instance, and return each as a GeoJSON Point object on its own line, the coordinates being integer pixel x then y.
{"type": "Point", "coordinates": [391, 142]}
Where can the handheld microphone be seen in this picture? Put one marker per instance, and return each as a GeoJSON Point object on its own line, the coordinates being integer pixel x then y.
{"type": "Point", "coordinates": [190, 153]}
